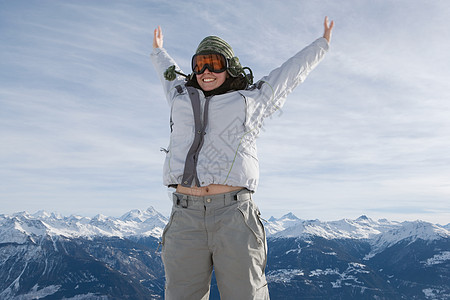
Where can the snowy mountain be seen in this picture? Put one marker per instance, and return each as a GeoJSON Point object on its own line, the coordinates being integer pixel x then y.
{"type": "Point", "coordinates": [361, 228]}
{"type": "Point", "coordinates": [408, 232]}
{"type": "Point", "coordinates": [277, 225]}
{"type": "Point", "coordinates": [49, 256]}
{"type": "Point", "coordinates": [22, 226]}
{"type": "Point", "coordinates": [358, 259]}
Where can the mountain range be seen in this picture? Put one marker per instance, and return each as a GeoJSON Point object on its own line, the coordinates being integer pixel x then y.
{"type": "Point", "coordinates": [49, 256]}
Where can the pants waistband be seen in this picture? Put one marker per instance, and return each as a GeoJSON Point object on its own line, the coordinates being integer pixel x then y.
{"type": "Point", "coordinates": [211, 200]}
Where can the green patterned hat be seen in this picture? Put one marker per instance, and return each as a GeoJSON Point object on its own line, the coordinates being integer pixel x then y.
{"type": "Point", "coordinates": [215, 44]}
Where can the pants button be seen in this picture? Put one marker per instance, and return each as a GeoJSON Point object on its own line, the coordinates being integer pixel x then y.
{"type": "Point", "coordinates": [208, 200]}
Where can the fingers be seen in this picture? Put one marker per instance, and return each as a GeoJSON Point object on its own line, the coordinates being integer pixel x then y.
{"type": "Point", "coordinates": [157, 34]}
{"type": "Point", "coordinates": [327, 30]}
{"type": "Point", "coordinates": [326, 24]}
{"type": "Point", "coordinates": [157, 37]}
{"type": "Point", "coordinates": [160, 34]}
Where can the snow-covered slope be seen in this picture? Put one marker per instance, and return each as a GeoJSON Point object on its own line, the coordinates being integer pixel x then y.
{"type": "Point", "coordinates": [19, 227]}
{"type": "Point", "coordinates": [382, 234]}
{"type": "Point", "coordinates": [410, 232]}
{"type": "Point", "coordinates": [361, 228]}
{"type": "Point", "coordinates": [277, 225]}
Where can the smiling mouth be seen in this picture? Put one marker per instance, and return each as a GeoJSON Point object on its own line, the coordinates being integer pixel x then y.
{"type": "Point", "coordinates": [208, 80]}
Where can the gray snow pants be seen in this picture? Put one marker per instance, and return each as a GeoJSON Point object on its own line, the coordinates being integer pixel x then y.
{"type": "Point", "coordinates": [222, 231]}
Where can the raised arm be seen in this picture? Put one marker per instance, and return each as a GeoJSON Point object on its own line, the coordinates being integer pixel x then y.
{"type": "Point", "coordinates": [281, 81]}
{"type": "Point", "coordinates": [162, 61]}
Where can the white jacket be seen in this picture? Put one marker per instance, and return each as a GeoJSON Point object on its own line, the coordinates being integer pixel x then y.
{"type": "Point", "coordinates": [228, 153]}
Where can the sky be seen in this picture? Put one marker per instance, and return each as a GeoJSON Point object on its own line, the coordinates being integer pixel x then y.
{"type": "Point", "coordinates": [83, 115]}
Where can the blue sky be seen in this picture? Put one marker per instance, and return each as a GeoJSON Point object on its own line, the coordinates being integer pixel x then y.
{"type": "Point", "coordinates": [83, 115]}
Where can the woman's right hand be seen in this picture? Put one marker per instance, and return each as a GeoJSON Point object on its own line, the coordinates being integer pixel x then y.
{"type": "Point", "coordinates": [328, 29]}
{"type": "Point", "coordinates": [158, 38]}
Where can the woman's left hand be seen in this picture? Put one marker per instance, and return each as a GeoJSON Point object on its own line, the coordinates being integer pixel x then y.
{"type": "Point", "coordinates": [158, 38]}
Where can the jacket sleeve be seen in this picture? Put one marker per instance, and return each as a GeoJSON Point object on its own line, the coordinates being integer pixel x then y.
{"type": "Point", "coordinates": [275, 87]}
{"type": "Point", "coordinates": [161, 61]}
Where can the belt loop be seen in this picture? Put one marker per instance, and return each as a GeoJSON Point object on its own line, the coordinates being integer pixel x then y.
{"type": "Point", "coordinates": [183, 201]}
{"type": "Point", "coordinates": [243, 195]}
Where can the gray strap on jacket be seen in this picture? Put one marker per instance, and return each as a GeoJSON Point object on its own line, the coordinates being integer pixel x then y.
{"type": "Point", "coordinates": [190, 165]}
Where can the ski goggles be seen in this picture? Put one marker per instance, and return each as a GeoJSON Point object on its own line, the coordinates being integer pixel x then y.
{"type": "Point", "coordinates": [215, 62]}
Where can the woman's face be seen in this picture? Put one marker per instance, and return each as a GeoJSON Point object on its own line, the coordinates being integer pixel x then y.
{"type": "Point", "coordinates": [209, 81]}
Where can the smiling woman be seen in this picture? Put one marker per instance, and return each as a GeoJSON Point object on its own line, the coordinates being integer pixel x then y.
{"type": "Point", "coordinates": [216, 116]}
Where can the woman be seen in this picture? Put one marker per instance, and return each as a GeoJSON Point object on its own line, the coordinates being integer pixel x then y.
{"type": "Point", "coordinates": [216, 116]}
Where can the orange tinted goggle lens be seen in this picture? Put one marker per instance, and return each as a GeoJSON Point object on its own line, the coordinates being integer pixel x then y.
{"type": "Point", "coordinates": [216, 63]}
